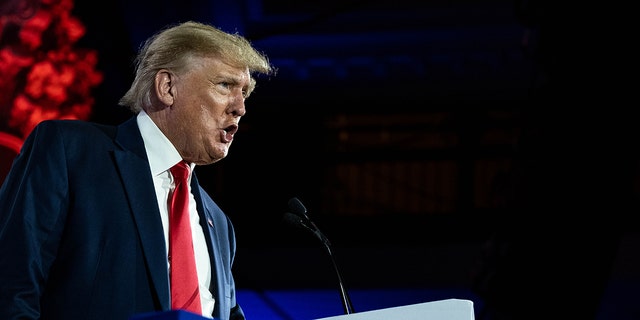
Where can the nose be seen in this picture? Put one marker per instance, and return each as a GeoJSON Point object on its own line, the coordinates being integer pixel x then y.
{"type": "Point", "coordinates": [236, 105]}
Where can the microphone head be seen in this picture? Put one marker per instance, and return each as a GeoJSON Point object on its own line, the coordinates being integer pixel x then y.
{"type": "Point", "coordinates": [297, 207]}
{"type": "Point", "coordinates": [292, 219]}
{"type": "Point", "coordinates": [299, 222]}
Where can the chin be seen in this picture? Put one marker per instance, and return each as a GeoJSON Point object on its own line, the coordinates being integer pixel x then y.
{"type": "Point", "coordinates": [219, 156]}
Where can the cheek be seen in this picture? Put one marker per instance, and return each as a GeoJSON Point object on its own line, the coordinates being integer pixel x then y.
{"type": "Point", "coordinates": [218, 104]}
{"type": "Point", "coordinates": [212, 110]}
{"type": "Point", "coordinates": [206, 120]}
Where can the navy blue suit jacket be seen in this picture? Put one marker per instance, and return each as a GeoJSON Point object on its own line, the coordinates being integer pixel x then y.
{"type": "Point", "coordinates": [80, 230]}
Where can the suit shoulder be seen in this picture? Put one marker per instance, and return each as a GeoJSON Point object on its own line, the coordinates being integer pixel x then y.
{"type": "Point", "coordinates": [75, 128]}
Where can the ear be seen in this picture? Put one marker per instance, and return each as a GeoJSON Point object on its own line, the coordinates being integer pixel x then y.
{"type": "Point", "coordinates": [164, 86]}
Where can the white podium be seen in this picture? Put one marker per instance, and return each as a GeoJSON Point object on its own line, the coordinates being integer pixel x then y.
{"type": "Point", "coordinates": [449, 309]}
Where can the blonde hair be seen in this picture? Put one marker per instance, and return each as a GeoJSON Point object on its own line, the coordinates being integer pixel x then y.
{"type": "Point", "coordinates": [171, 47]}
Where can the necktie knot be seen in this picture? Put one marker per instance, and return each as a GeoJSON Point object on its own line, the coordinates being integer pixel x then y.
{"type": "Point", "coordinates": [180, 172]}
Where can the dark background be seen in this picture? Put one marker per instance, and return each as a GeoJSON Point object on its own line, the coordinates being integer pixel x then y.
{"type": "Point", "coordinates": [484, 145]}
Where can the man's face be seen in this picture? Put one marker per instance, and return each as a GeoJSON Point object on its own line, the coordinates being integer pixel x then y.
{"type": "Point", "coordinates": [208, 105]}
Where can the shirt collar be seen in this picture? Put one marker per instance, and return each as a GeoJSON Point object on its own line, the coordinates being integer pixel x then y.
{"type": "Point", "coordinates": [160, 151]}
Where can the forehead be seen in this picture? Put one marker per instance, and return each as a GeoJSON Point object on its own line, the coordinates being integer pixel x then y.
{"type": "Point", "coordinates": [215, 67]}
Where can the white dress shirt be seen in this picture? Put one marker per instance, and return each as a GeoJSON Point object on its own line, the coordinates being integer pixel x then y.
{"type": "Point", "coordinates": [162, 156]}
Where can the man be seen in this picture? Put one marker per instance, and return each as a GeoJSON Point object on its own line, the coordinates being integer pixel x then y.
{"type": "Point", "coordinates": [84, 217]}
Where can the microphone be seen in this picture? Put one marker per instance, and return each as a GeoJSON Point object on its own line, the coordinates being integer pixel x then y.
{"type": "Point", "coordinates": [300, 219]}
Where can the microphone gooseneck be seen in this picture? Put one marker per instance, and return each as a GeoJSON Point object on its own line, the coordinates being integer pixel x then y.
{"type": "Point", "coordinates": [300, 219]}
{"type": "Point", "coordinates": [300, 211]}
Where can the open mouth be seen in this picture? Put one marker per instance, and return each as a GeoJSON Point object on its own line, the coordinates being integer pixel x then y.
{"type": "Point", "coordinates": [228, 132]}
{"type": "Point", "coordinates": [232, 129]}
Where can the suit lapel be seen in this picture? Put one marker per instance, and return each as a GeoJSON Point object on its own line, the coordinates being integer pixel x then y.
{"type": "Point", "coordinates": [134, 171]}
{"type": "Point", "coordinates": [208, 225]}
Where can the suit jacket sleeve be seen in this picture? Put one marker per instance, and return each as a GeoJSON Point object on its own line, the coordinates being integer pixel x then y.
{"type": "Point", "coordinates": [33, 201]}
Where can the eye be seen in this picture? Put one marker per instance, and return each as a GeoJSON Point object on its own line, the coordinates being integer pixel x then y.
{"type": "Point", "coordinates": [229, 87]}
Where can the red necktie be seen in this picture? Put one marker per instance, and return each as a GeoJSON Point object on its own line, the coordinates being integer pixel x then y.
{"type": "Point", "coordinates": [185, 293]}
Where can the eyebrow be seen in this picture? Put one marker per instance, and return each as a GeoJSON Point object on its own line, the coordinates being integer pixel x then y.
{"type": "Point", "coordinates": [228, 78]}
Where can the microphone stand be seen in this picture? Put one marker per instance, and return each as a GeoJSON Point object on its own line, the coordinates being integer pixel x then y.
{"type": "Point", "coordinates": [302, 220]}
{"type": "Point", "coordinates": [346, 301]}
